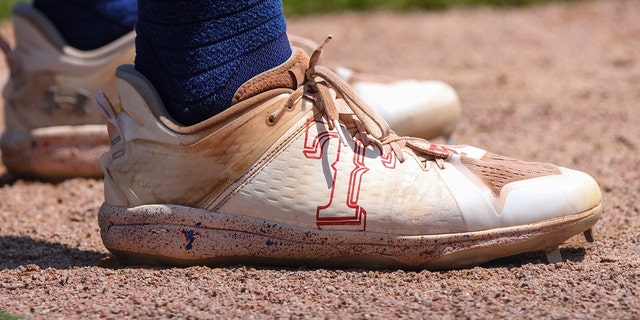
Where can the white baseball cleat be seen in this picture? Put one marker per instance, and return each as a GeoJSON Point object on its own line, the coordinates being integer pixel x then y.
{"type": "Point", "coordinates": [300, 170]}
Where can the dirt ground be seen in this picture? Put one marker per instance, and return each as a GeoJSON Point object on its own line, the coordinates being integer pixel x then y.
{"type": "Point", "coordinates": [557, 83]}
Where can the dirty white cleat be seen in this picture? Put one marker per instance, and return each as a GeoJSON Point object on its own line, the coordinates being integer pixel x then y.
{"type": "Point", "coordinates": [52, 130]}
{"type": "Point", "coordinates": [299, 170]}
{"type": "Point", "coordinates": [418, 108]}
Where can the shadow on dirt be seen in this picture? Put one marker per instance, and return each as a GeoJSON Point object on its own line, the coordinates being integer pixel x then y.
{"type": "Point", "coordinates": [7, 179]}
{"type": "Point", "coordinates": [568, 254]}
{"type": "Point", "coordinates": [18, 251]}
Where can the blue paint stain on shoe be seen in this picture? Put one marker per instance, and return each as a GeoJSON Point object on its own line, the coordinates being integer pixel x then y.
{"type": "Point", "coordinates": [270, 243]}
{"type": "Point", "coordinates": [191, 237]}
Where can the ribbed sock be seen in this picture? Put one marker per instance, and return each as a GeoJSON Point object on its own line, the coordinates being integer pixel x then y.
{"type": "Point", "coordinates": [197, 53]}
{"type": "Point", "coordinates": [90, 24]}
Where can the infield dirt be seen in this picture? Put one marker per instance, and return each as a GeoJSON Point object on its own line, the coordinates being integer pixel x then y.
{"type": "Point", "coordinates": [555, 83]}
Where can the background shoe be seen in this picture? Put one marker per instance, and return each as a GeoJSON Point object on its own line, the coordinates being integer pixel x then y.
{"type": "Point", "coordinates": [52, 130]}
{"type": "Point", "coordinates": [416, 108]}
{"type": "Point", "coordinates": [303, 172]}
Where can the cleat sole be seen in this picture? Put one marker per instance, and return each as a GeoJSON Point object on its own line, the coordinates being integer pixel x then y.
{"type": "Point", "coordinates": [179, 235]}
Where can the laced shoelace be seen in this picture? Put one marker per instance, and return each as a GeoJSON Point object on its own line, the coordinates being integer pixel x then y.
{"type": "Point", "coordinates": [320, 86]}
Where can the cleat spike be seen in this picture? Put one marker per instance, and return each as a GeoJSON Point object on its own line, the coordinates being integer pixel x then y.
{"type": "Point", "coordinates": [588, 235]}
{"type": "Point", "coordinates": [553, 255]}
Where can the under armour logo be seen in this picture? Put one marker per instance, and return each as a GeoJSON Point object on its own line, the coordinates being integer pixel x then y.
{"type": "Point", "coordinates": [54, 101]}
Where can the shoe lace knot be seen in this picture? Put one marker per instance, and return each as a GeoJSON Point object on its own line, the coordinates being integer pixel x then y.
{"type": "Point", "coordinates": [343, 107]}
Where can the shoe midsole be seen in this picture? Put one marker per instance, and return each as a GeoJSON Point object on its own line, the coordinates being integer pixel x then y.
{"type": "Point", "coordinates": [55, 152]}
{"type": "Point", "coordinates": [57, 135]}
{"type": "Point", "coordinates": [188, 235]}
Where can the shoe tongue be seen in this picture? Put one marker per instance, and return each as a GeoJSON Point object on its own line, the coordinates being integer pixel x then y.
{"type": "Point", "coordinates": [289, 75]}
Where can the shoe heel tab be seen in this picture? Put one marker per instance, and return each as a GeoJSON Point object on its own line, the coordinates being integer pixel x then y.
{"type": "Point", "coordinates": [110, 114]}
{"type": "Point", "coordinates": [139, 98]}
{"type": "Point", "coordinates": [123, 71]}
{"type": "Point", "coordinates": [12, 59]}
{"type": "Point", "coordinates": [128, 74]}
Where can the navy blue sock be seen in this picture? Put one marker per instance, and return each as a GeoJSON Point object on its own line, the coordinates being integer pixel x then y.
{"type": "Point", "coordinates": [197, 53]}
{"type": "Point", "coordinates": [90, 24]}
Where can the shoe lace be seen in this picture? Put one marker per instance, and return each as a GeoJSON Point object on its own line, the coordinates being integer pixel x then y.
{"type": "Point", "coordinates": [321, 85]}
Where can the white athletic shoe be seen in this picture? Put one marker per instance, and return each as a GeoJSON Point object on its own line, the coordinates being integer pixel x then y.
{"type": "Point", "coordinates": [52, 130]}
{"type": "Point", "coordinates": [299, 170]}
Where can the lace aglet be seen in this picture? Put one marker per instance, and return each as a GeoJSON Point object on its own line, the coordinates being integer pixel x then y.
{"type": "Point", "coordinates": [343, 139]}
{"type": "Point", "coordinates": [315, 56]}
{"type": "Point", "coordinates": [324, 42]}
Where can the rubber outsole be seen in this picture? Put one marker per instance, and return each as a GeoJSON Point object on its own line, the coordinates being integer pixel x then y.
{"type": "Point", "coordinates": [183, 236]}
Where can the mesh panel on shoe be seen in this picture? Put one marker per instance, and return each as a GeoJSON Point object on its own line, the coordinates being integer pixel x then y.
{"type": "Point", "coordinates": [496, 171]}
